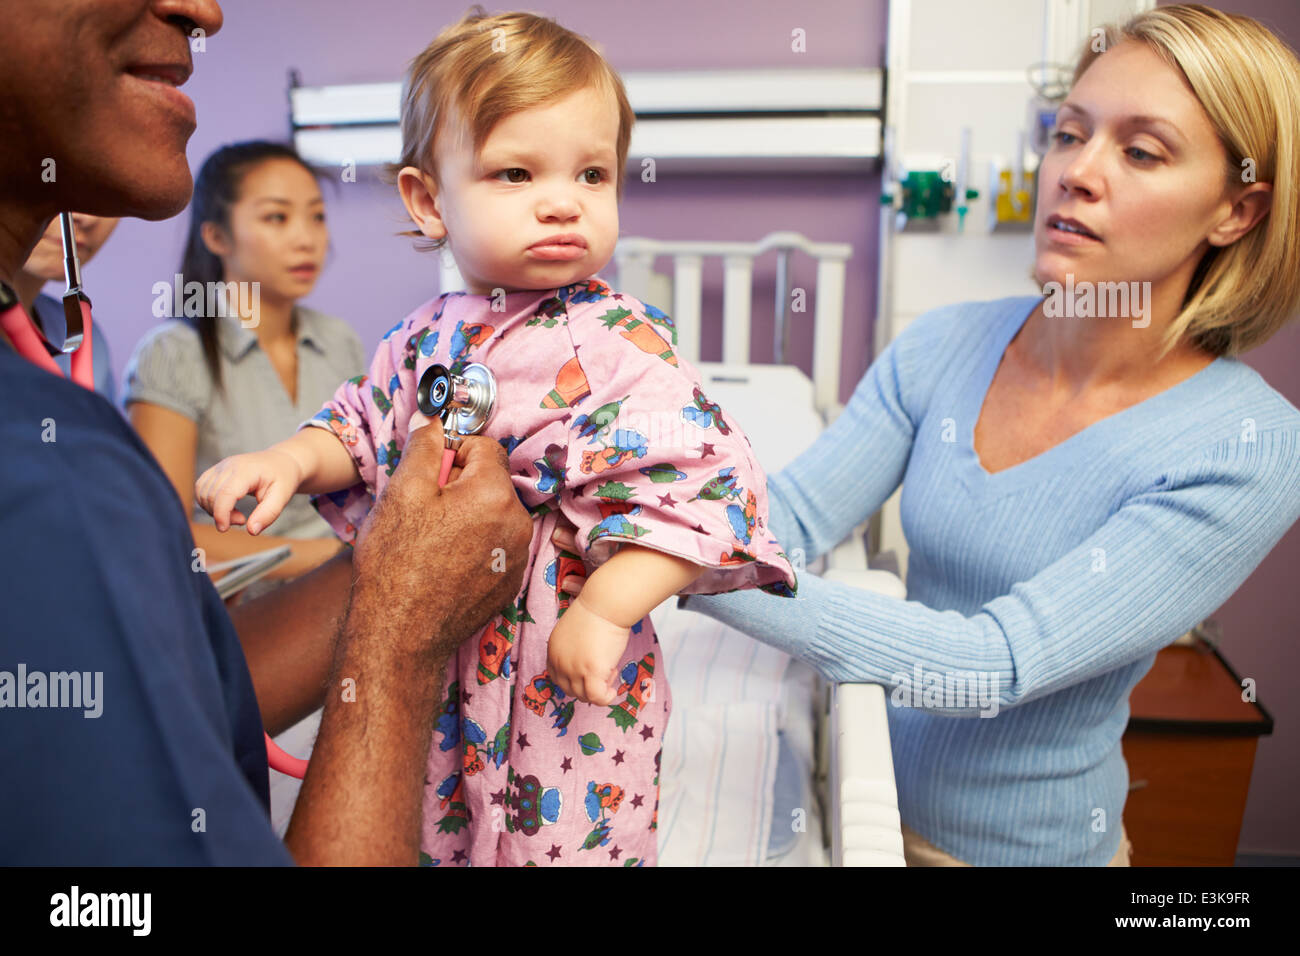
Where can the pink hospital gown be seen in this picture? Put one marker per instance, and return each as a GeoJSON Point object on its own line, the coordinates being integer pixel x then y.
{"type": "Point", "coordinates": [604, 423]}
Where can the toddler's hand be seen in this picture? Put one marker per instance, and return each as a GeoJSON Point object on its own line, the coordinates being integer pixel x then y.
{"type": "Point", "coordinates": [272, 475]}
{"type": "Point", "coordinates": [584, 653]}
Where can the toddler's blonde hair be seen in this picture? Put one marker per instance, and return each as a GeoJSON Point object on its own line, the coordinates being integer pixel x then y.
{"type": "Point", "coordinates": [484, 68]}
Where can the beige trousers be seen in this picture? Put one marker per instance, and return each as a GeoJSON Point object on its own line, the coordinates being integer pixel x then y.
{"type": "Point", "coordinates": [918, 851]}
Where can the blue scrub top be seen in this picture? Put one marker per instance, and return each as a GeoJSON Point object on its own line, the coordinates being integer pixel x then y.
{"type": "Point", "coordinates": [96, 577]}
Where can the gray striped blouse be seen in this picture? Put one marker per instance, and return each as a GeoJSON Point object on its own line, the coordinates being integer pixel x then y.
{"type": "Point", "coordinates": [252, 410]}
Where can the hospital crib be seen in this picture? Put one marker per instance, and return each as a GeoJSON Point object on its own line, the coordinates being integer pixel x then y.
{"type": "Point", "coordinates": [765, 763]}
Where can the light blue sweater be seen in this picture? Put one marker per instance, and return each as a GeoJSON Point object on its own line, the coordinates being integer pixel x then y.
{"type": "Point", "coordinates": [1058, 578]}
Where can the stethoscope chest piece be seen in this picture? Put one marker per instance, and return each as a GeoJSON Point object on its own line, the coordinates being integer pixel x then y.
{"type": "Point", "coordinates": [463, 402]}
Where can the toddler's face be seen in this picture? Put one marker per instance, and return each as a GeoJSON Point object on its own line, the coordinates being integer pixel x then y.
{"type": "Point", "coordinates": [543, 174]}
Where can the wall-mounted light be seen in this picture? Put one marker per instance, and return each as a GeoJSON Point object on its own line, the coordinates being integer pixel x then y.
{"type": "Point", "coordinates": [760, 120]}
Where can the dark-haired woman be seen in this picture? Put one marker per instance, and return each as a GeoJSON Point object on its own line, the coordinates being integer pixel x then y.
{"type": "Point", "coordinates": [200, 388]}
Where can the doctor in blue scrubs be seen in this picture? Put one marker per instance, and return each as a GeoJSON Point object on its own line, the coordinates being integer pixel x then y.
{"type": "Point", "coordinates": [130, 732]}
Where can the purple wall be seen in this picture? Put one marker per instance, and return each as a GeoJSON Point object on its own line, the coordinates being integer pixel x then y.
{"type": "Point", "coordinates": [374, 278]}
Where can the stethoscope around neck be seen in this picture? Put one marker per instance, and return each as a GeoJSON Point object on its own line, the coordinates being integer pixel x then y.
{"type": "Point", "coordinates": [28, 339]}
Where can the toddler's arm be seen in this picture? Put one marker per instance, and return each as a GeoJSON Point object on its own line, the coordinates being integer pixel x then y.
{"type": "Point", "coordinates": [313, 461]}
{"type": "Point", "coordinates": [634, 582]}
{"type": "Point", "coordinates": [587, 645]}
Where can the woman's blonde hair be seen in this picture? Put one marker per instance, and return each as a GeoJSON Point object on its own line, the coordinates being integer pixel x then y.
{"type": "Point", "coordinates": [484, 68]}
{"type": "Point", "coordinates": [1248, 83]}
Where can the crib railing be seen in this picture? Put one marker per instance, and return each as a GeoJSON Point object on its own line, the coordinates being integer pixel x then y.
{"type": "Point", "coordinates": [681, 295]}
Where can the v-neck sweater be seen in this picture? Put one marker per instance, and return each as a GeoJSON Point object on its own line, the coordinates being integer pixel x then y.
{"type": "Point", "coordinates": [1038, 595]}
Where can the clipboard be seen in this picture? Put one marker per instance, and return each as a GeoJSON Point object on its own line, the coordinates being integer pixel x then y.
{"type": "Point", "coordinates": [245, 570]}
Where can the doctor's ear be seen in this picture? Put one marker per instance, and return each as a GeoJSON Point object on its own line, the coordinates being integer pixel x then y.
{"type": "Point", "coordinates": [420, 197]}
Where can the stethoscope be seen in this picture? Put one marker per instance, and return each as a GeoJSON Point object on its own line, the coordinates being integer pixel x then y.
{"type": "Point", "coordinates": [463, 403]}
{"type": "Point", "coordinates": [28, 339]}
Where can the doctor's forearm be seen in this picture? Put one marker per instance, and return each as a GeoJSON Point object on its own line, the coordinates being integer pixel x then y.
{"type": "Point", "coordinates": [361, 800]}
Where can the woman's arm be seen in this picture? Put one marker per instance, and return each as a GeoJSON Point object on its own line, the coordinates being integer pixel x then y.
{"type": "Point", "coordinates": [1172, 555]}
{"type": "Point", "coordinates": [855, 464]}
{"type": "Point", "coordinates": [173, 438]}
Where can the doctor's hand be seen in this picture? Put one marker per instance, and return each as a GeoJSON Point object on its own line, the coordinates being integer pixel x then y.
{"type": "Point", "coordinates": [427, 562]}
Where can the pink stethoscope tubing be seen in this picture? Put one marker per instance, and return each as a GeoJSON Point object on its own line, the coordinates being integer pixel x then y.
{"type": "Point", "coordinates": [295, 766]}
{"type": "Point", "coordinates": [30, 344]}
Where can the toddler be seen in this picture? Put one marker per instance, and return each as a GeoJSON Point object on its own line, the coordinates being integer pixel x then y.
{"type": "Point", "coordinates": [547, 748]}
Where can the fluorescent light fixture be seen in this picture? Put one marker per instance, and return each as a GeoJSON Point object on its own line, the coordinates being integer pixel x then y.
{"type": "Point", "coordinates": [753, 91]}
{"type": "Point", "coordinates": [697, 121]}
{"type": "Point", "coordinates": [362, 145]}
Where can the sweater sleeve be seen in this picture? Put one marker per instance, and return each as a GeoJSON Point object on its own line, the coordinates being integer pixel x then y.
{"type": "Point", "coordinates": [863, 455]}
{"type": "Point", "coordinates": [1166, 559]}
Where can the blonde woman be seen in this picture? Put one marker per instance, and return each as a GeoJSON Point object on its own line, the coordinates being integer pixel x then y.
{"type": "Point", "coordinates": [1078, 492]}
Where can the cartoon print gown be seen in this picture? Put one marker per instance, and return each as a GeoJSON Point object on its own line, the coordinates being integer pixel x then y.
{"type": "Point", "coordinates": [604, 423]}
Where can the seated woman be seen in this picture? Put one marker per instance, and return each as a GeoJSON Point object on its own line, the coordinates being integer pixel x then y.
{"type": "Point", "coordinates": [202, 387]}
{"type": "Point", "coordinates": [1082, 485]}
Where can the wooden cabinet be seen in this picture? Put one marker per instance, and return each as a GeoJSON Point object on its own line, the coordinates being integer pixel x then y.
{"type": "Point", "coordinates": [1190, 749]}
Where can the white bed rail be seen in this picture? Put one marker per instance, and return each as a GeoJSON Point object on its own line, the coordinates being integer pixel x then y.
{"type": "Point", "coordinates": [855, 763]}
{"type": "Point", "coordinates": [864, 821]}
{"type": "Point", "coordinates": [855, 769]}
{"type": "Point", "coordinates": [634, 258]}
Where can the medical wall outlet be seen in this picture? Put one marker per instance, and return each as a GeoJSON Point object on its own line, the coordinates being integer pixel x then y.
{"type": "Point", "coordinates": [924, 195]}
{"type": "Point", "coordinates": [1013, 206]}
